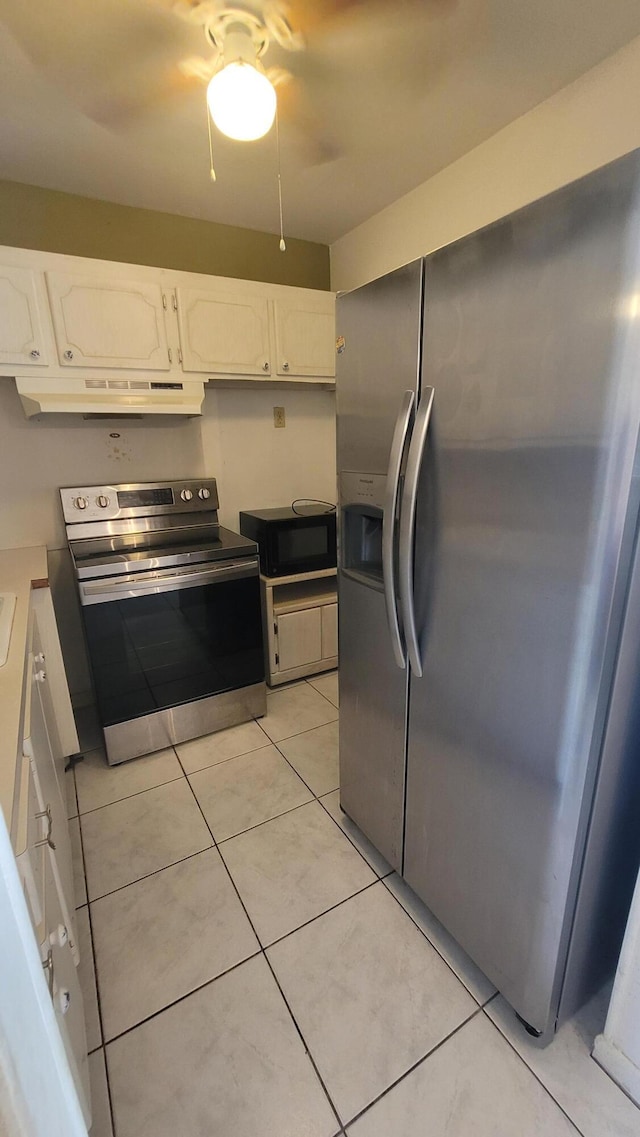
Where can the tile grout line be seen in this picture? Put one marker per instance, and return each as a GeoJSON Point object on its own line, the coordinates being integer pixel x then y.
{"type": "Point", "coordinates": [343, 831]}
{"type": "Point", "coordinates": [413, 1067]}
{"type": "Point", "coordinates": [146, 876]}
{"type": "Point", "coordinates": [435, 946]}
{"type": "Point", "coordinates": [135, 793]}
{"type": "Point", "coordinates": [181, 998]}
{"type": "Point", "coordinates": [530, 1068]}
{"type": "Point", "coordinates": [97, 984]}
{"type": "Point", "coordinates": [267, 961]}
{"type": "Point", "coordinates": [336, 706]}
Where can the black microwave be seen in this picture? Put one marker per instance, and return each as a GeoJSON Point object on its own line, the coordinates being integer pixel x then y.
{"type": "Point", "coordinates": [292, 540]}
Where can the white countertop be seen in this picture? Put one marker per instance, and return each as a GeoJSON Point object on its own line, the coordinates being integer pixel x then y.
{"type": "Point", "coordinates": [18, 569]}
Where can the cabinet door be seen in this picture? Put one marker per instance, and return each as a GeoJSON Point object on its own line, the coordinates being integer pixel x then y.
{"type": "Point", "coordinates": [21, 339]}
{"type": "Point", "coordinates": [51, 798]}
{"type": "Point", "coordinates": [31, 860]}
{"type": "Point", "coordinates": [299, 638]}
{"type": "Point", "coordinates": [108, 323]}
{"type": "Point", "coordinates": [329, 630]}
{"type": "Point", "coordinates": [305, 335]}
{"type": "Point", "coordinates": [223, 332]}
{"type": "Point", "coordinates": [64, 986]}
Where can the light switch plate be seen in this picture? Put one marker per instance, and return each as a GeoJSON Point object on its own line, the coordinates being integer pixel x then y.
{"type": "Point", "coordinates": [278, 416]}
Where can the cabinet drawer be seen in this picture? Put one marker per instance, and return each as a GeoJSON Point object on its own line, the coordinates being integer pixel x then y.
{"type": "Point", "coordinates": [299, 638]}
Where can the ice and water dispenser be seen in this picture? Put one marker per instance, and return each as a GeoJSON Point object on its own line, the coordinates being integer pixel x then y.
{"type": "Point", "coordinates": [361, 511]}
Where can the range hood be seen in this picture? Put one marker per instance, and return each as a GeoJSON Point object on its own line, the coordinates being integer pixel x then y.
{"type": "Point", "coordinates": [110, 396]}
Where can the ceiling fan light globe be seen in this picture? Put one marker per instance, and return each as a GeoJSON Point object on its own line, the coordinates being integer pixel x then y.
{"type": "Point", "coordinates": [242, 102]}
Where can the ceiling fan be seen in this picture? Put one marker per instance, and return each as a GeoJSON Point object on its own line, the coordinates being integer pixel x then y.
{"type": "Point", "coordinates": [120, 60]}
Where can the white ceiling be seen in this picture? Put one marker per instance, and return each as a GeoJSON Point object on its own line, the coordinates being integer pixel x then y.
{"type": "Point", "coordinates": [396, 91]}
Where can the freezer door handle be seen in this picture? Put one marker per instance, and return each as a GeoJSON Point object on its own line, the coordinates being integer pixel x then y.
{"type": "Point", "coordinates": [408, 526]}
{"type": "Point", "coordinates": [389, 523]}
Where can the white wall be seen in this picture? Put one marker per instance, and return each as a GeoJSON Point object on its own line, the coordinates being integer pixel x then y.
{"type": "Point", "coordinates": [257, 465]}
{"type": "Point", "coordinates": [583, 126]}
{"type": "Point", "coordinates": [235, 441]}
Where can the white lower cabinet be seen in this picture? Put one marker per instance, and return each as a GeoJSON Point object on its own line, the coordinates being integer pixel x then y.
{"type": "Point", "coordinates": [42, 842]}
{"type": "Point", "coordinates": [300, 620]}
{"type": "Point", "coordinates": [51, 801]}
{"type": "Point", "coordinates": [299, 638]}
{"type": "Point", "coordinates": [63, 981]}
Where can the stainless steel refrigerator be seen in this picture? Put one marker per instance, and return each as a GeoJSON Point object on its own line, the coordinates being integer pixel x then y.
{"type": "Point", "coordinates": [489, 584]}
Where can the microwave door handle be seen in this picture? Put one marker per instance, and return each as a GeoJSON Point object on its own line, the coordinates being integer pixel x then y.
{"type": "Point", "coordinates": [389, 525]}
{"type": "Point", "coordinates": [408, 527]}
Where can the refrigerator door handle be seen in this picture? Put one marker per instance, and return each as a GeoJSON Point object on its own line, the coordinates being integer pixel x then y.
{"type": "Point", "coordinates": [388, 525]}
{"type": "Point", "coordinates": [408, 525]}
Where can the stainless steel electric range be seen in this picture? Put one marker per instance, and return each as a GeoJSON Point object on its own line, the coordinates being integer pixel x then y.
{"type": "Point", "coordinates": [171, 609]}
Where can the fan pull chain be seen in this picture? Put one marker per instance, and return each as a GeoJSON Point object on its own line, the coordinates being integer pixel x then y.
{"type": "Point", "coordinates": [212, 172]}
{"type": "Point", "coordinates": [283, 246]}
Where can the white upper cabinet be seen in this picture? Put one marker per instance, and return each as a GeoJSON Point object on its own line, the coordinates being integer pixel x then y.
{"type": "Point", "coordinates": [108, 322]}
{"type": "Point", "coordinates": [21, 339]}
{"type": "Point", "coordinates": [305, 334]}
{"type": "Point", "coordinates": [223, 331]}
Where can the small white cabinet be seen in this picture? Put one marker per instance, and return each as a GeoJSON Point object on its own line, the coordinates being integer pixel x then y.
{"type": "Point", "coordinates": [21, 337]}
{"type": "Point", "coordinates": [108, 322]}
{"type": "Point", "coordinates": [300, 619]}
{"type": "Point", "coordinates": [223, 331]}
{"type": "Point", "coordinates": [299, 636]}
{"type": "Point", "coordinates": [305, 334]}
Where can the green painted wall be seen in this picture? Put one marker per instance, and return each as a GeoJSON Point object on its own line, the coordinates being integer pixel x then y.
{"type": "Point", "coordinates": [36, 218]}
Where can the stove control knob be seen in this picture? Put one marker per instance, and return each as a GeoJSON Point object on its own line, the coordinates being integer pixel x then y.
{"type": "Point", "coordinates": [204, 493]}
{"type": "Point", "coordinates": [186, 495]}
{"type": "Point", "coordinates": [102, 501]}
{"type": "Point", "coordinates": [81, 503]}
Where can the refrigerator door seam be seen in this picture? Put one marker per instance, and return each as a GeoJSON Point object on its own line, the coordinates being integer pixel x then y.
{"type": "Point", "coordinates": [389, 522]}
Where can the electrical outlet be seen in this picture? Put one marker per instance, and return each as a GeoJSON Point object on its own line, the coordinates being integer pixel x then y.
{"type": "Point", "coordinates": [278, 416]}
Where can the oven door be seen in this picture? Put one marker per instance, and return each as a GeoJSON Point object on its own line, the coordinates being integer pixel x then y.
{"type": "Point", "coordinates": [160, 639]}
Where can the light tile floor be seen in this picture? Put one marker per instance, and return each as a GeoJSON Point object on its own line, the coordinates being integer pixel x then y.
{"type": "Point", "coordinates": [262, 972]}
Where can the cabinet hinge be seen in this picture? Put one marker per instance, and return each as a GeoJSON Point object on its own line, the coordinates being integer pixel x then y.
{"type": "Point", "coordinates": [275, 628]}
{"type": "Point", "coordinates": [164, 301]}
{"type": "Point", "coordinates": [277, 659]}
{"type": "Point", "coordinates": [174, 302]}
{"type": "Point", "coordinates": [179, 355]}
{"type": "Point", "coordinates": [170, 354]}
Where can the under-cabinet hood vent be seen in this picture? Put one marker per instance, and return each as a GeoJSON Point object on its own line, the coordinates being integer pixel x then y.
{"type": "Point", "coordinates": [110, 396]}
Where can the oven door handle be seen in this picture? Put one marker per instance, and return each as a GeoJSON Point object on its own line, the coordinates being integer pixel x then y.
{"type": "Point", "coordinates": [149, 583]}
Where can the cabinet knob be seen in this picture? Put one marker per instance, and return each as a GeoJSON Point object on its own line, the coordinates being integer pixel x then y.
{"type": "Point", "coordinates": [41, 676]}
{"type": "Point", "coordinates": [68, 353]}
{"type": "Point", "coordinates": [35, 354]}
{"type": "Point", "coordinates": [39, 657]}
{"type": "Point", "coordinates": [265, 365]}
{"type": "Point", "coordinates": [285, 366]}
